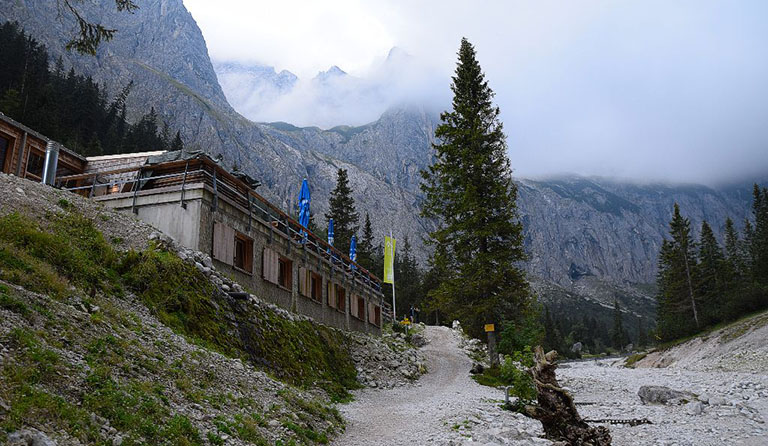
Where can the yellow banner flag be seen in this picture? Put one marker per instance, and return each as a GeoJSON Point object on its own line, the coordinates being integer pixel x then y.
{"type": "Point", "coordinates": [389, 259]}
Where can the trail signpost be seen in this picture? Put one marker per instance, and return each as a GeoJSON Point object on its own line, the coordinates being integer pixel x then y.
{"type": "Point", "coordinates": [494, 357]}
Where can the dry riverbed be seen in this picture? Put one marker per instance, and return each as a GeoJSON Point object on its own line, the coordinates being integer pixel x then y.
{"type": "Point", "coordinates": [733, 411]}
{"type": "Point", "coordinates": [446, 407]}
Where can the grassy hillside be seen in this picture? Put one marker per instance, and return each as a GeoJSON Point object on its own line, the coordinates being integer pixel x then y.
{"type": "Point", "coordinates": [99, 342]}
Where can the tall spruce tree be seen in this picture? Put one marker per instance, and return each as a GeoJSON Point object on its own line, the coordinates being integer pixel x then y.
{"type": "Point", "coordinates": [759, 238]}
{"type": "Point", "coordinates": [642, 336]}
{"type": "Point", "coordinates": [711, 275]}
{"type": "Point", "coordinates": [734, 249]}
{"type": "Point", "coordinates": [342, 211]}
{"type": "Point", "coordinates": [677, 309]}
{"type": "Point", "coordinates": [365, 249]}
{"type": "Point", "coordinates": [408, 277]}
{"type": "Point", "coordinates": [469, 192]}
{"type": "Point", "coordinates": [619, 338]}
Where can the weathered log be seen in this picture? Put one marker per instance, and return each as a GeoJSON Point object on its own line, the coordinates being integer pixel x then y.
{"type": "Point", "coordinates": [556, 410]}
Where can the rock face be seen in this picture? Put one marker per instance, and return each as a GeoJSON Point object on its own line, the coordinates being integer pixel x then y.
{"type": "Point", "coordinates": [588, 238]}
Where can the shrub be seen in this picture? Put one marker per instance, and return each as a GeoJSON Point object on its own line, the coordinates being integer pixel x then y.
{"type": "Point", "coordinates": [513, 371]}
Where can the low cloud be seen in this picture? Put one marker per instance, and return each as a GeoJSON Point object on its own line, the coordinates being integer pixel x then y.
{"type": "Point", "coordinates": [332, 97]}
{"type": "Point", "coordinates": [651, 89]}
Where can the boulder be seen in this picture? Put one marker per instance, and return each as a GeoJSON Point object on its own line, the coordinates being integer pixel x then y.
{"type": "Point", "coordinates": [477, 368]}
{"type": "Point", "coordinates": [418, 340]}
{"type": "Point", "coordinates": [694, 408]}
{"type": "Point", "coordinates": [29, 437]}
{"type": "Point", "coordinates": [576, 348]}
{"type": "Point", "coordinates": [663, 395]}
{"type": "Point", "coordinates": [716, 401]}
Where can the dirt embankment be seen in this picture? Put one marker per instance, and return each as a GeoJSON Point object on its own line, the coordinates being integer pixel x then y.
{"type": "Point", "coordinates": [739, 347]}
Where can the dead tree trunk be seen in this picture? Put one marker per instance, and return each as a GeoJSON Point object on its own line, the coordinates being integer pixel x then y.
{"type": "Point", "coordinates": [556, 410]}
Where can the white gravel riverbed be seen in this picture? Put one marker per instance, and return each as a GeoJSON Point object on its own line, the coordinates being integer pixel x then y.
{"type": "Point", "coordinates": [733, 411]}
{"type": "Point", "coordinates": [446, 407]}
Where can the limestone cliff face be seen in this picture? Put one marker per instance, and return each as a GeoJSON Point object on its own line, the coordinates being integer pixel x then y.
{"type": "Point", "coordinates": [161, 49]}
{"type": "Point", "coordinates": [587, 237]}
{"type": "Point", "coordinates": [578, 227]}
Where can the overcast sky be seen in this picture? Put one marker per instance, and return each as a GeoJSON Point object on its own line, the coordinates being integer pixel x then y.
{"type": "Point", "coordinates": [655, 90]}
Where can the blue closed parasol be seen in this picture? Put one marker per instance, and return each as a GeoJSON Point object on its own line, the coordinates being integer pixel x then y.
{"type": "Point", "coordinates": [353, 250]}
{"type": "Point", "coordinates": [304, 201]}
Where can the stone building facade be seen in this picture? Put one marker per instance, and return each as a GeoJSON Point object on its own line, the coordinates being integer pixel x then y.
{"type": "Point", "coordinates": [203, 206]}
{"type": "Point", "coordinates": [206, 208]}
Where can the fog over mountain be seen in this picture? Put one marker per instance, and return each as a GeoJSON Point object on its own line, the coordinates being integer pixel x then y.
{"type": "Point", "coordinates": [332, 97]}
{"type": "Point", "coordinates": [649, 90]}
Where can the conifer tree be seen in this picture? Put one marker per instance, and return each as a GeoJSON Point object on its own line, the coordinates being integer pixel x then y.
{"type": "Point", "coordinates": [734, 249]}
{"type": "Point", "coordinates": [342, 211]}
{"type": "Point", "coordinates": [759, 238]}
{"type": "Point", "coordinates": [365, 248]}
{"type": "Point", "coordinates": [177, 143]}
{"type": "Point", "coordinates": [677, 310]}
{"type": "Point", "coordinates": [469, 192]}
{"type": "Point", "coordinates": [642, 336]}
{"type": "Point", "coordinates": [408, 277]}
{"type": "Point", "coordinates": [618, 335]}
{"type": "Point", "coordinates": [710, 279]}
{"type": "Point", "coordinates": [552, 338]}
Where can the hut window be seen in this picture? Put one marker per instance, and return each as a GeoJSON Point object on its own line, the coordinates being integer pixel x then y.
{"type": "Point", "coordinates": [360, 308]}
{"type": "Point", "coordinates": [35, 164]}
{"type": "Point", "coordinates": [244, 253]}
{"type": "Point", "coordinates": [316, 286]}
{"type": "Point", "coordinates": [341, 298]}
{"type": "Point", "coordinates": [284, 273]}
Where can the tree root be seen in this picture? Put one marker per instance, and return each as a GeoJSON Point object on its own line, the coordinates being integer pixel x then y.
{"type": "Point", "coordinates": [556, 409]}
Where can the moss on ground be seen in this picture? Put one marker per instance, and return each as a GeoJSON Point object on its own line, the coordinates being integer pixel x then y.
{"type": "Point", "coordinates": [68, 250]}
{"type": "Point", "coordinates": [181, 297]}
{"type": "Point", "coordinates": [64, 256]}
{"type": "Point", "coordinates": [630, 362]}
{"type": "Point", "coordinates": [138, 409]}
{"type": "Point", "coordinates": [300, 352]}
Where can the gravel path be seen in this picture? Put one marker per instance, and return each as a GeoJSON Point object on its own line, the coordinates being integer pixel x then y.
{"type": "Point", "coordinates": [444, 407]}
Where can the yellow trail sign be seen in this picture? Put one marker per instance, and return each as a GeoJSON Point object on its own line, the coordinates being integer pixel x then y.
{"type": "Point", "coordinates": [489, 327]}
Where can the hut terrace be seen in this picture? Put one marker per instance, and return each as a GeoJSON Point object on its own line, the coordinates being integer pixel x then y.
{"type": "Point", "coordinates": [192, 198]}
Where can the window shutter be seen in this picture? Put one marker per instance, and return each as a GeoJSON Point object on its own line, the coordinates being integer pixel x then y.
{"type": "Point", "coordinates": [223, 243]}
{"type": "Point", "coordinates": [303, 288]}
{"type": "Point", "coordinates": [371, 314]}
{"type": "Point", "coordinates": [353, 305]}
{"type": "Point", "coordinates": [270, 266]}
{"type": "Point", "coordinates": [331, 295]}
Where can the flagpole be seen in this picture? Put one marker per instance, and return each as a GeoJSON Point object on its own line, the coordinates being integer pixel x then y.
{"type": "Point", "coordinates": [394, 309]}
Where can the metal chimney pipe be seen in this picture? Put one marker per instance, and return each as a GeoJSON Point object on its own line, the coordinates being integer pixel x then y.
{"type": "Point", "coordinates": [51, 163]}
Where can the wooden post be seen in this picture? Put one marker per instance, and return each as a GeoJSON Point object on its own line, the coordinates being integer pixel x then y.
{"type": "Point", "coordinates": [492, 353]}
